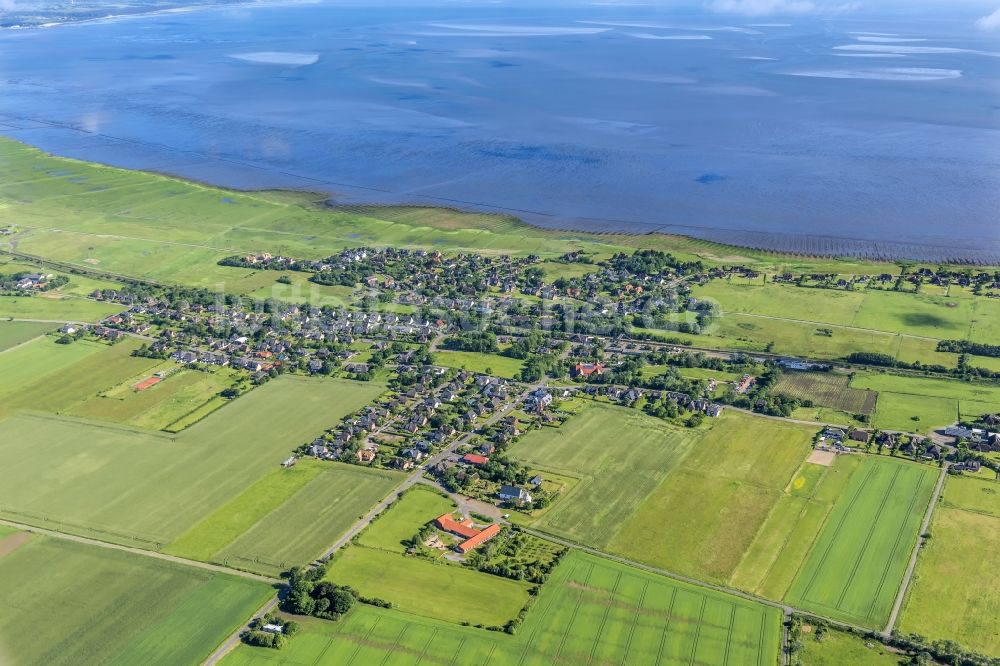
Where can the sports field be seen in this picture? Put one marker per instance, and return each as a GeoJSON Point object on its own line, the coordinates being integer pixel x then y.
{"type": "Point", "coordinates": [706, 512]}
{"type": "Point", "coordinates": [620, 454]}
{"type": "Point", "coordinates": [591, 611]}
{"type": "Point", "coordinates": [288, 517]}
{"type": "Point", "coordinates": [856, 564]}
{"type": "Point", "coordinates": [956, 590]}
{"type": "Point", "coordinates": [80, 476]}
{"type": "Point", "coordinates": [936, 402]}
{"type": "Point", "coordinates": [827, 389]}
{"type": "Point", "coordinates": [13, 333]}
{"type": "Point", "coordinates": [64, 603]}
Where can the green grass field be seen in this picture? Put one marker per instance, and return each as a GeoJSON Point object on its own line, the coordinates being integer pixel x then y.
{"type": "Point", "coordinates": [956, 589]}
{"type": "Point", "coordinates": [288, 517]}
{"type": "Point", "coordinates": [591, 611]}
{"type": "Point", "coordinates": [13, 333]}
{"type": "Point", "coordinates": [183, 392]}
{"type": "Point", "coordinates": [500, 366]}
{"type": "Point", "coordinates": [83, 477]}
{"type": "Point", "coordinates": [68, 603]}
{"type": "Point", "coordinates": [56, 309]}
{"type": "Point", "coordinates": [783, 541]}
{"type": "Point", "coordinates": [705, 513]}
{"type": "Point", "coordinates": [937, 402]}
{"type": "Point", "coordinates": [620, 454]}
{"type": "Point", "coordinates": [856, 564]}
{"type": "Point", "coordinates": [418, 506]}
{"type": "Point", "coordinates": [837, 648]}
{"type": "Point", "coordinates": [904, 325]}
{"type": "Point", "coordinates": [447, 592]}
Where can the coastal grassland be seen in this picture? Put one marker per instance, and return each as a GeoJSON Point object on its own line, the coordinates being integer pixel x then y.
{"type": "Point", "coordinates": [827, 306]}
{"type": "Point", "coordinates": [13, 333]}
{"type": "Point", "coordinates": [255, 531]}
{"type": "Point", "coordinates": [705, 513]}
{"type": "Point", "coordinates": [81, 476]}
{"type": "Point", "coordinates": [501, 366]}
{"type": "Point", "coordinates": [856, 564]}
{"type": "Point", "coordinates": [179, 394]}
{"type": "Point", "coordinates": [747, 332]}
{"type": "Point", "coordinates": [620, 455]}
{"type": "Point", "coordinates": [985, 321]}
{"type": "Point", "coordinates": [105, 216]}
{"type": "Point", "coordinates": [399, 523]}
{"type": "Point", "coordinates": [827, 389]}
{"type": "Point", "coordinates": [956, 591]}
{"type": "Point", "coordinates": [55, 309]}
{"type": "Point", "coordinates": [447, 592]}
{"type": "Point", "coordinates": [915, 314]}
{"type": "Point", "coordinates": [784, 539]}
{"type": "Point", "coordinates": [591, 610]}
{"type": "Point", "coordinates": [937, 402]}
{"type": "Point", "coordinates": [67, 603]}
{"type": "Point", "coordinates": [837, 648]}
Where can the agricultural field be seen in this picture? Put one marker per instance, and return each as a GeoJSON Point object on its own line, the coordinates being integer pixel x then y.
{"type": "Point", "coordinates": [704, 514]}
{"type": "Point", "coordinates": [288, 517]}
{"type": "Point", "coordinates": [55, 309]}
{"type": "Point", "coordinates": [80, 476]}
{"type": "Point", "coordinates": [937, 402]}
{"type": "Point", "coordinates": [68, 603]}
{"type": "Point", "coordinates": [591, 610]}
{"type": "Point", "coordinates": [915, 314]}
{"type": "Point", "coordinates": [182, 392]}
{"type": "Point", "coordinates": [98, 382]}
{"type": "Point", "coordinates": [827, 389]}
{"type": "Point", "coordinates": [621, 455]}
{"type": "Point", "coordinates": [400, 523]}
{"type": "Point", "coordinates": [13, 333]}
{"type": "Point", "coordinates": [856, 564]}
{"type": "Point", "coordinates": [501, 366]}
{"type": "Point", "coordinates": [783, 541]}
{"type": "Point", "coordinates": [956, 589]}
{"type": "Point", "coordinates": [35, 362]}
{"type": "Point", "coordinates": [438, 590]}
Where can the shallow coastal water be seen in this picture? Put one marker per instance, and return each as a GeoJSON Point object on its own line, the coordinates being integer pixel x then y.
{"type": "Point", "coordinates": [826, 136]}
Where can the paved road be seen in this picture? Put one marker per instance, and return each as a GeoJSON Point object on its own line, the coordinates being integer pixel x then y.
{"type": "Point", "coordinates": [901, 596]}
{"type": "Point", "coordinates": [414, 478]}
{"type": "Point", "coordinates": [139, 551]}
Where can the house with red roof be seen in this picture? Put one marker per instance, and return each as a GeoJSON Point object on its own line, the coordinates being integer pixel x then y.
{"type": "Point", "coordinates": [475, 459]}
{"type": "Point", "coordinates": [588, 369]}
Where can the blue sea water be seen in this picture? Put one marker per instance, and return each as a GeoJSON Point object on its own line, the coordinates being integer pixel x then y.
{"type": "Point", "coordinates": [834, 135]}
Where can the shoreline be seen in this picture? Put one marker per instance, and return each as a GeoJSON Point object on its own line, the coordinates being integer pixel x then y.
{"type": "Point", "coordinates": [727, 241]}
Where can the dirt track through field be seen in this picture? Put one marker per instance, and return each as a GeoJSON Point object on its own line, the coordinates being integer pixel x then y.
{"type": "Point", "coordinates": [12, 542]}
